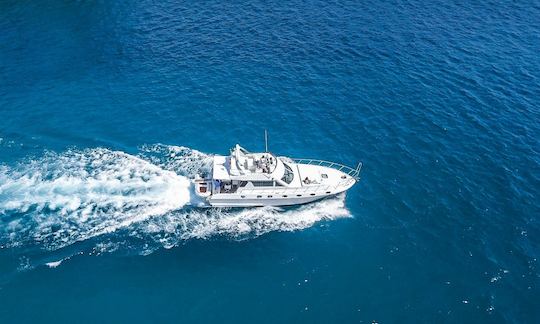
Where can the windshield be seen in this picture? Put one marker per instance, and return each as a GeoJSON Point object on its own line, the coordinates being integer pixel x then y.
{"type": "Point", "coordinates": [288, 176]}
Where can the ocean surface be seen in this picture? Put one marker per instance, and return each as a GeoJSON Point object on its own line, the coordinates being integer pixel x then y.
{"type": "Point", "coordinates": [108, 108]}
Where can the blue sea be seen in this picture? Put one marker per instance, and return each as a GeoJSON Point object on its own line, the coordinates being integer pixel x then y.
{"type": "Point", "coordinates": [109, 108]}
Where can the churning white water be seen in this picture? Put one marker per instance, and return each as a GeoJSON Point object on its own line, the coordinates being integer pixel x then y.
{"type": "Point", "coordinates": [59, 199]}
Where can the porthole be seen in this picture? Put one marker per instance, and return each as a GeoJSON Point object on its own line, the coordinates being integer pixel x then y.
{"type": "Point", "coordinates": [312, 194]}
{"type": "Point", "coordinates": [328, 192]}
{"type": "Point", "coordinates": [270, 196]}
{"type": "Point", "coordinates": [284, 196]}
{"type": "Point", "coordinates": [298, 195]}
{"type": "Point", "coordinates": [242, 196]}
{"type": "Point", "coordinates": [259, 196]}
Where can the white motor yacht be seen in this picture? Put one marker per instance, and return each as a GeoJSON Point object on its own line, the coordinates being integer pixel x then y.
{"type": "Point", "coordinates": [245, 179]}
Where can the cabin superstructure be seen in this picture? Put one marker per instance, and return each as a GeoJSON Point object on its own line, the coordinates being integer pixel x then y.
{"type": "Point", "coordinates": [257, 179]}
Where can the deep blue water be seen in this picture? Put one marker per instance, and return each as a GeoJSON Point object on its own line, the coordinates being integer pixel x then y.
{"type": "Point", "coordinates": [107, 108]}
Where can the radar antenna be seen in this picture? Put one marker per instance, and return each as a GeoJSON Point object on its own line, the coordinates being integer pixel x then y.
{"type": "Point", "coordinates": [265, 141]}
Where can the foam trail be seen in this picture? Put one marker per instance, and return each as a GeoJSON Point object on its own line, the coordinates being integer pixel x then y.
{"type": "Point", "coordinates": [63, 198]}
{"type": "Point", "coordinates": [144, 202]}
{"type": "Point", "coordinates": [54, 264]}
{"type": "Point", "coordinates": [180, 159]}
{"type": "Point", "coordinates": [174, 228]}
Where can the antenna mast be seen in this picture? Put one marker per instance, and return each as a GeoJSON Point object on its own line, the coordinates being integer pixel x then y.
{"type": "Point", "coordinates": [265, 141]}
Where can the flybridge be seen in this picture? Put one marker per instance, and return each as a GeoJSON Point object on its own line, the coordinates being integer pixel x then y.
{"type": "Point", "coordinates": [242, 164]}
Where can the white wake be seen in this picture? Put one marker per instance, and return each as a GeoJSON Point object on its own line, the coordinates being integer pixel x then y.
{"type": "Point", "coordinates": [61, 199]}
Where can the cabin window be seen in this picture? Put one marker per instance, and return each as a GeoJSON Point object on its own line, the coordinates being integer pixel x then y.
{"type": "Point", "coordinates": [288, 176]}
{"type": "Point", "coordinates": [324, 176]}
{"type": "Point", "coordinates": [259, 196]}
{"type": "Point", "coordinates": [263, 183]}
{"type": "Point", "coordinates": [298, 195]}
{"type": "Point", "coordinates": [243, 183]}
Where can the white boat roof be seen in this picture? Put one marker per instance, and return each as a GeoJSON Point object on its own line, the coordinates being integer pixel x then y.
{"type": "Point", "coordinates": [220, 168]}
{"type": "Point", "coordinates": [243, 165]}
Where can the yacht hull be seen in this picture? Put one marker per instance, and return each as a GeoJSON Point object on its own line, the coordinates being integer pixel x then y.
{"type": "Point", "coordinates": [268, 199]}
{"type": "Point", "coordinates": [246, 179]}
{"type": "Point", "coordinates": [246, 202]}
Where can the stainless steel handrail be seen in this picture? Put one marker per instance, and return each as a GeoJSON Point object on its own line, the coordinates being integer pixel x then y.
{"type": "Point", "coordinates": [340, 167]}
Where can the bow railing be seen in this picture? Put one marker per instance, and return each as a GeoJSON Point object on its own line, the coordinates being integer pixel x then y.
{"type": "Point", "coordinates": [340, 167]}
